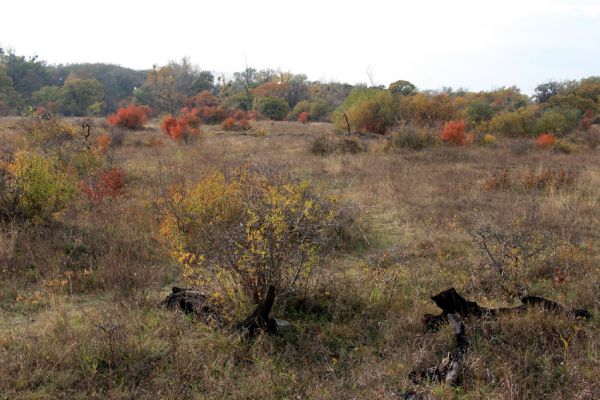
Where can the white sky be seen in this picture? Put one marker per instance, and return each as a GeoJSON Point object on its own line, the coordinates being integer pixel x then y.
{"type": "Point", "coordinates": [477, 44]}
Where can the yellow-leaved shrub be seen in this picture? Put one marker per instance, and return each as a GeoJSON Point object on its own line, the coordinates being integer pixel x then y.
{"type": "Point", "coordinates": [34, 188]}
{"type": "Point", "coordinates": [237, 233]}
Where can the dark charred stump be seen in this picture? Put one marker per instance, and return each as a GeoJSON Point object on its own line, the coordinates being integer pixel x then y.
{"type": "Point", "coordinates": [193, 302]}
{"type": "Point", "coordinates": [453, 303]}
{"type": "Point", "coordinates": [196, 303]}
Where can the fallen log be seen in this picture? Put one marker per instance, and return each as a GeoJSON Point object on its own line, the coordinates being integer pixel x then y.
{"type": "Point", "coordinates": [449, 369]}
{"type": "Point", "coordinates": [196, 303]}
{"type": "Point", "coordinates": [453, 303]}
{"type": "Point", "coordinates": [193, 302]}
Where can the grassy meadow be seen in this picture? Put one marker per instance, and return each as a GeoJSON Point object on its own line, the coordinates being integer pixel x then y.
{"type": "Point", "coordinates": [79, 298]}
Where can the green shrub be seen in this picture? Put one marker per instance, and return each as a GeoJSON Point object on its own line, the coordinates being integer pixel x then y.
{"type": "Point", "coordinates": [479, 111]}
{"type": "Point", "coordinates": [514, 123]}
{"type": "Point", "coordinates": [272, 107]}
{"type": "Point", "coordinates": [564, 146]}
{"type": "Point", "coordinates": [317, 109]}
{"type": "Point", "coordinates": [553, 122]}
{"type": "Point", "coordinates": [367, 109]}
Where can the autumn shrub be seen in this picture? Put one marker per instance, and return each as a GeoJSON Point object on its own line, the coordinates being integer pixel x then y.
{"type": "Point", "coordinates": [210, 111]}
{"type": "Point", "coordinates": [317, 109]}
{"type": "Point", "coordinates": [131, 117]}
{"type": "Point", "coordinates": [511, 255]}
{"type": "Point", "coordinates": [34, 188]}
{"type": "Point", "coordinates": [454, 133]}
{"type": "Point", "coordinates": [514, 123]}
{"type": "Point", "coordinates": [488, 140]}
{"type": "Point", "coordinates": [564, 146]}
{"type": "Point", "coordinates": [545, 141]}
{"type": "Point", "coordinates": [236, 233]}
{"type": "Point", "coordinates": [237, 121]}
{"type": "Point", "coordinates": [239, 115]}
{"type": "Point", "coordinates": [49, 134]}
{"type": "Point", "coordinates": [228, 124]}
{"type": "Point", "coordinates": [591, 137]}
{"type": "Point", "coordinates": [103, 185]}
{"type": "Point", "coordinates": [552, 121]}
{"type": "Point", "coordinates": [366, 109]}
{"type": "Point", "coordinates": [500, 180]}
{"type": "Point", "coordinates": [272, 107]}
{"type": "Point", "coordinates": [412, 137]}
{"type": "Point", "coordinates": [183, 128]}
{"type": "Point", "coordinates": [244, 124]}
{"type": "Point", "coordinates": [550, 178]}
{"type": "Point", "coordinates": [329, 143]}
{"type": "Point", "coordinates": [303, 117]}
{"type": "Point", "coordinates": [586, 121]}
{"type": "Point", "coordinates": [103, 142]}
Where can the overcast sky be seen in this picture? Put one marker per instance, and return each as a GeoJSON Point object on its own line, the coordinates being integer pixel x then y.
{"type": "Point", "coordinates": [460, 43]}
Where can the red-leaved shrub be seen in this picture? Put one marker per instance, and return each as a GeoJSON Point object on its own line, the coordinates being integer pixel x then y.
{"type": "Point", "coordinates": [303, 117]}
{"type": "Point", "coordinates": [454, 132]}
{"type": "Point", "coordinates": [106, 184]}
{"type": "Point", "coordinates": [184, 127]}
{"type": "Point", "coordinates": [103, 142]}
{"type": "Point", "coordinates": [228, 124]}
{"type": "Point", "coordinates": [546, 140]}
{"type": "Point", "coordinates": [130, 117]}
{"type": "Point", "coordinates": [244, 124]}
{"type": "Point", "coordinates": [209, 109]}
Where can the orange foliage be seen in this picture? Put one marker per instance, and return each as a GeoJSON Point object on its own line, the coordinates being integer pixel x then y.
{"type": "Point", "coordinates": [228, 124]}
{"type": "Point", "coordinates": [105, 184]}
{"type": "Point", "coordinates": [185, 127]}
{"type": "Point", "coordinates": [454, 132]}
{"type": "Point", "coordinates": [239, 114]}
{"type": "Point", "coordinates": [209, 109]}
{"type": "Point", "coordinates": [102, 142]}
{"type": "Point", "coordinates": [303, 117]}
{"type": "Point", "coordinates": [130, 117]}
{"type": "Point", "coordinates": [546, 140]}
{"type": "Point", "coordinates": [273, 89]}
{"type": "Point", "coordinates": [244, 124]}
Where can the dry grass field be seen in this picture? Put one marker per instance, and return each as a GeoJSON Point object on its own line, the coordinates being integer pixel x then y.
{"type": "Point", "coordinates": [79, 314]}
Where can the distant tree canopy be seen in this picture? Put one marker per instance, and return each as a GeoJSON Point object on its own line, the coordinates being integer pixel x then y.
{"type": "Point", "coordinates": [181, 87]}
{"type": "Point", "coordinates": [166, 88]}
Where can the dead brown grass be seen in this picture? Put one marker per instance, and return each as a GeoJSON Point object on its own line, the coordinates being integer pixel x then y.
{"type": "Point", "coordinates": [357, 330]}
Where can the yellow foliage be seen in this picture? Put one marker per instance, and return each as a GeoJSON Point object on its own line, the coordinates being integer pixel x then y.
{"type": "Point", "coordinates": [242, 232]}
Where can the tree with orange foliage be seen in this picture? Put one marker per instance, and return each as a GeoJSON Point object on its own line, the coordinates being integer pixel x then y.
{"type": "Point", "coordinates": [454, 132]}
{"type": "Point", "coordinates": [130, 117]}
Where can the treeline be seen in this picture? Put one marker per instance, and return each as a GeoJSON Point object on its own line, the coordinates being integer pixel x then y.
{"type": "Point", "coordinates": [100, 89]}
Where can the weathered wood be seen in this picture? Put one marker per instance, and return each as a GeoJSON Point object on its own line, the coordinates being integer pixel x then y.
{"type": "Point", "coordinates": [198, 304]}
{"type": "Point", "coordinates": [449, 369]}
{"type": "Point", "coordinates": [451, 302]}
{"type": "Point", "coordinates": [193, 302]}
